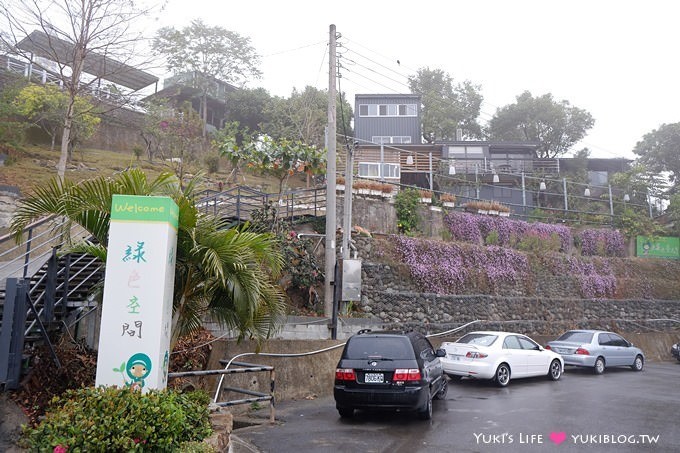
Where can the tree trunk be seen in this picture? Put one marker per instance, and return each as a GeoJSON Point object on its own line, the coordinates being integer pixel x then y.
{"type": "Point", "coordinates": [65, 139]}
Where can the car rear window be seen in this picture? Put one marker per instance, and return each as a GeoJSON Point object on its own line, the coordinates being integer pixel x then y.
{"type": "Point", "coordinates": [395, 348]}
{"type": "Point", "coordinates": [481, 339]}
{"type": "Point", "coordinates": [576, 337]}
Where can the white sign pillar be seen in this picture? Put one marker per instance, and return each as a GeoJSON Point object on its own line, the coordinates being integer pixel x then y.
{"type": "Point", "coordinates": [134, 339]}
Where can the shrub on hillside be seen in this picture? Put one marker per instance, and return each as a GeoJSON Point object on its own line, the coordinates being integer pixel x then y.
{"type": "Point", "coordinates": [598, 242]}
{"type": "Point", "coordinates": [510, 233]}
{"type": "Point", "coordinates": [117, 420]}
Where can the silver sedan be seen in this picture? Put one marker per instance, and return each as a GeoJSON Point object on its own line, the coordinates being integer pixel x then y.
{"type": "Point", "coordinates": [597, 349]}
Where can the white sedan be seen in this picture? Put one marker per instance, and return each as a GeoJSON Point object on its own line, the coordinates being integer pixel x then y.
{"type": "Point", "coordinates": [499, 356]}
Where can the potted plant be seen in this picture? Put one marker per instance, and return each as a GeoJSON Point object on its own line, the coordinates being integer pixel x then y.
{"type": "Point", "coordinates": [361, 188]}
{"type": "Point", "coordinates": [375, 188]}
{"type": "Point", "coordinates": [448, 200]}
{"type": "Point", "coordinates": [425, 196]}
{"type": "Point", "coordinates": [340, 183]}
{"type": "Point", "coordinates": [387, 190]}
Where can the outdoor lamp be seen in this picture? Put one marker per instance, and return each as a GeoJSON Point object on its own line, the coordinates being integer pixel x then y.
{"type": "Point", "coordinates": [586, 193]}
{"type": "Point", "coordinates": [409, 160]}
{"type": "Point", "coordinates": [626, 198]}
{"type": "Point", "coordinates": [495, 177]}
{"type": "Point", "coordinates": [542, 186]}
{"type": "Point", "coordinates": [452, 169]}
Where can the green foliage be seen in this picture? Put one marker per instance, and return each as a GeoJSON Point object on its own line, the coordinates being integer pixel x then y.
{"type": "Point", "coordinates": [406, 205]}
{"type": "Point", "coordinates": [673, 212]}
{"type": "Point", "coordinates": [11, 129]}
{"type": "Point", "coordinates": [213, 164]}
{"type": "Point", "coordinates": [300, 263]}
{"type": "Point", "coordinates": [633, 222]}
{"type": "Point", "coordinates": [491, 238]}
{"type": "Point", "coordinates": [556, 125]}
{"type": "Point", "coordinates": [137, 151]}
{"type": "Point", "coordinates": [120, 420]}
{"type": "Point", "coordinates": [282, 158]}
{"type": "Point", "coordinates": [446, 107]}
{"type": "Point", "coordinates": [658, 150]}
{"type": "Point", "coordinates": [535, 243]}
{"type": "Point", "coordinates": [46, 106]}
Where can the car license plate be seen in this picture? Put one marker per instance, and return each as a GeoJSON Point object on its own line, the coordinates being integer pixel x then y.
{"type": "Point", "coordinates": [374, 378]}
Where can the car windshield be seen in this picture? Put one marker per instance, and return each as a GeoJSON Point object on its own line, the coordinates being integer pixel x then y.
{"type": "Point", "coordinates": [378, 347]}
{"type": "Point", "coordinates": [576, 337]}
{"type": "Point", "coordinates": [481, 339]}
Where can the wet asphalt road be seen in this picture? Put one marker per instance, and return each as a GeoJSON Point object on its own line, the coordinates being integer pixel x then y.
{"type": "Point", "coordinates": [619, 411]}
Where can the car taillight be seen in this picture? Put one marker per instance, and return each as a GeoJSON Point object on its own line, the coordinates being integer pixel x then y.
{"type": "Point", "coordinates": [582, 351]}
{"type": "Point", "coordinates": [406, 374]}
{"type": "Point", "coordinates": [345, 374]}
{"type": "Point", "coordinates": [547, 347]}
{"type": "Point", "coordinates": [476, 355]}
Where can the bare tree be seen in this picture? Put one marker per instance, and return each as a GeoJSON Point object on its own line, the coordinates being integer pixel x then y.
{"type": "Point", "coordinates": [86, 41]}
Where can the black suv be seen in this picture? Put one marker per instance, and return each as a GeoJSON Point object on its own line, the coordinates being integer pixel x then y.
{"type": "Point", "coordinates": [389, 370]}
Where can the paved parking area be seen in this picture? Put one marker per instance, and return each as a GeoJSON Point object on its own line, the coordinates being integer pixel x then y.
{"type": "Point", "coordinates": [619, 411]}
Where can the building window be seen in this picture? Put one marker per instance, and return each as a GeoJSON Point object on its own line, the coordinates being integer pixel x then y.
{"type": "Point", "coordinates": [598, 178]}
{"type": "Point", "coordinates": [401, 139]}
{"type": "Point", "coordinates": [388, 110]}
{"type": "Point", "coordinates": [372, 170]}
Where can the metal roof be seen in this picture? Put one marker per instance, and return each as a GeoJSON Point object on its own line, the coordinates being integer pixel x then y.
{"type": "Point", "coordinates": [101, 66]}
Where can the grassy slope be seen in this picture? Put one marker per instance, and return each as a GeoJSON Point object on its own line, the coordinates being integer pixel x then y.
{"type": "Point", "coordinates": [35, 165]}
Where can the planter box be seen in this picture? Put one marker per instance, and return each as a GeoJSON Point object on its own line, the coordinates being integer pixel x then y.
{"type": "Point", "coordinates": [435, 208]}
{"type": "Point", "coordinates": [482, 211]}
{"type": "Point", "coordinates": [504, 214]}
{"type": "Point", "coordinates": [376, 193]}
{"type": "Point", "coordinates": [426, 200]}
{"type": "Point", "coordinates": [340, 187]}
{"type": "Point", "coordinates": [493, 212]}
{"type": "Point", "coordinates": [449, 204]}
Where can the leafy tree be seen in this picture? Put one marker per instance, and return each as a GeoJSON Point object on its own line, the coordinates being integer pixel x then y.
{"type": "Point", "coordinates": [304, 115]}
{"type": "Point", "coordinates": [283, 158]}
{"type": "Point", "coordinates": [446, 107]}
{"type": "Point", "coordinates": [673, 212]}
{"type": "Point", "coordinates": [658, 151]}
{"type": "Point", "coordinates": [208, 53]}
{"type": "Point", "coordinates": [228, 274]}
{"type": "Point", "coordinates": [556, 126]}
{"type": "Point", "coordinates": [249, 108]}
{"type": "Point", "coordinates": [46, 105]}
{"type": "Point", "coordinates": [102, 27]}
{"type": "Point", "coordinates": [11, 128]}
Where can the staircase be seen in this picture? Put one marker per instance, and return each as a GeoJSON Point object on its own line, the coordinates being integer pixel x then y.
{"type": "Point", "coordinates": [40, 292]}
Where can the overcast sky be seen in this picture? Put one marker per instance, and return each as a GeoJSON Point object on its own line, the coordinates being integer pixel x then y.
{"type": "Point", "coordinates": [616, 59]}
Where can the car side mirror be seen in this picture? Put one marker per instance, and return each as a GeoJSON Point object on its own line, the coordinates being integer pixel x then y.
{"type": "Point", "coordinates": [440, 353]}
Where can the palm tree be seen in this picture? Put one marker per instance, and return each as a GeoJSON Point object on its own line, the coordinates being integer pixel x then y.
{"type": "Point", "coordinates": [227, 273]}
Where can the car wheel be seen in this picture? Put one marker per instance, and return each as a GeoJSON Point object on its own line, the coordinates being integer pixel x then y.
{"type": "Point", "coordinates": [638, 364]}
{"type": "Point", "coordinates": [555, 371]}
{"type": "Point", "coordinates": [426, 412]}
{"type": "Point", "coordinates": [599, 366]}
{"type": "Point", "coordinates": [441, 394]}
{"type": "Point", "coordinates": [346, 412]}
{"type": "Point", "coordinates": [502, 377]}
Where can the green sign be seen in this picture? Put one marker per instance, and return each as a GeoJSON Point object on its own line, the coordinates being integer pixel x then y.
{"type": "Point", "coordinates": [144, 209]}
{"type": "Point", "coordinates": [658, 247]}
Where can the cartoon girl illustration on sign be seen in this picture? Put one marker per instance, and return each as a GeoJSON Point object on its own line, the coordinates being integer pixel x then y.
{"type": "Point", "coordinates": [137, 368]}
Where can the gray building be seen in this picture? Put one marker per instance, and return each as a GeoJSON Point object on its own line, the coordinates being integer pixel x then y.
{"type": "Point", "coordinates": [387, 118]}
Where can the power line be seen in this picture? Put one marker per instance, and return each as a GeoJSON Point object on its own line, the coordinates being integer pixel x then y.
{"type": "Point", "coordinates": [441, 102]}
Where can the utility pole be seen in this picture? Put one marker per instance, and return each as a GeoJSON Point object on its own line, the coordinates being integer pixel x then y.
{"type": "Point", "coordinates": [330, 178]}
{"type": "Point", "coordinates": [347, 209]}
